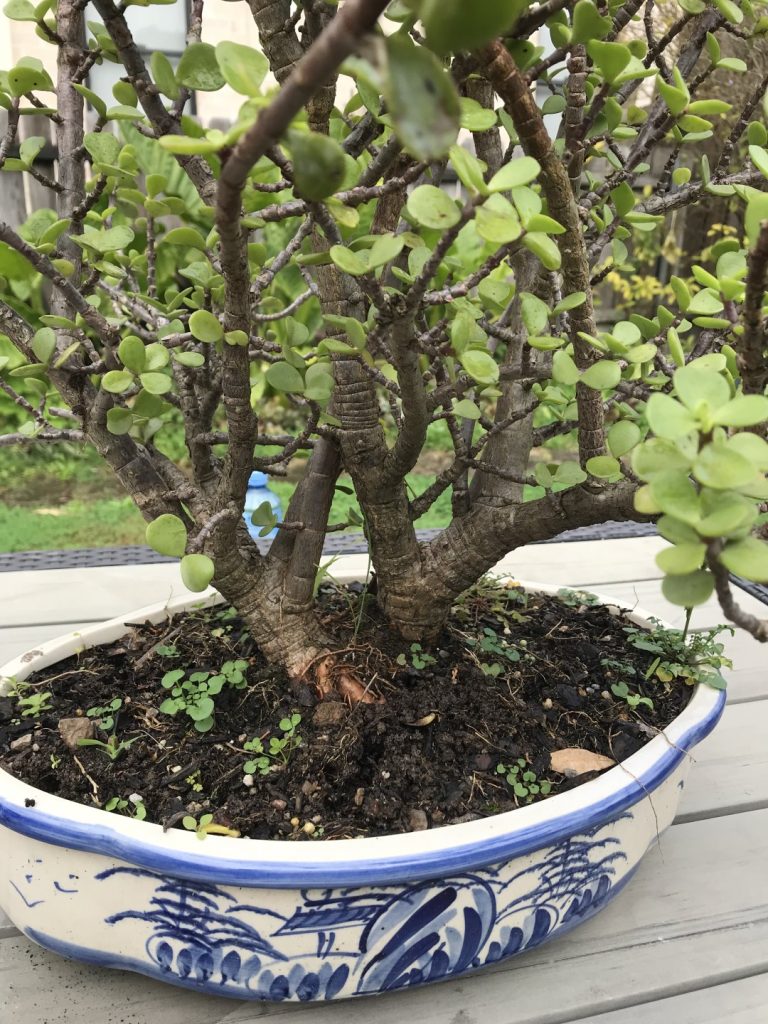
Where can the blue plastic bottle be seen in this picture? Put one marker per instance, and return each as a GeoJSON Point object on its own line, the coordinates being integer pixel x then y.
{"type": "Point", "coordinates": [258, 492]}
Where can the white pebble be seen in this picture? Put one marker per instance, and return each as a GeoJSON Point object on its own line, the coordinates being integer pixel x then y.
{"type": "Point", "coordinates": [247, 780]}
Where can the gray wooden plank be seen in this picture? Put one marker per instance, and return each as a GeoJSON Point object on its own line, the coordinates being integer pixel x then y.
{"type": "Point", "coordinates": [6, 928]}
{"type": "Point", "coordinates": [64, 595]}
{"type": "Point", "coordinates": [730, 769]}
{"type": "Point", "coordinates": [737, 1002]}
{"type": "Point", "coordinates": [696, 914]}
{"type": "Point", "coordinates": [585, 563]}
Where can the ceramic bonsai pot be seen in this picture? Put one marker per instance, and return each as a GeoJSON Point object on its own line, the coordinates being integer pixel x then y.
{"type": "Point", "coordinates": [253, 919]}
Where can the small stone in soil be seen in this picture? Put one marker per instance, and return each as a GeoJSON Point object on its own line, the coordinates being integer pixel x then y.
{"type": "Point", "coordinates": [72, 730]}
{"type": "Point", "coordinates": [359, 797]}
{"type": "Point", "coordinates": [22, 742]}
{"type": "Point", "coordinates": [567, 696]}
{"type": "Point", "coordinates": [329, 713]}
{"type": "Point", "coordinates": [417, 819]}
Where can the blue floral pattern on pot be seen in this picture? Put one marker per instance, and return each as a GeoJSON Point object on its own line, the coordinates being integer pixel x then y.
{"type": "Point", "coordinates": [357, 941]}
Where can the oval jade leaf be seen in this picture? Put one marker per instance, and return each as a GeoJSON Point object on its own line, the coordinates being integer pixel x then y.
{"type": "Point", "coordinates": [319, 165]}
{"type": "Point", "coordinates": [198, 68]}
{"type": "Point", "coordinates": [602, 374]}
{"type": "Point", "coordinates": [722, 468]}
{"type": "Point", "coordinates": [433, 208]}
{"type": "Point", "coordinates": [131, 352]}
{"type": "Point", "coordinates": [117, 381]}
{"type": "Point", "coordinates": [243, 68]}
{"type": "Point", "coordinates": [622, 437]}
{"type": "Point", "coordinates": [681, 559]}
{"type": "Point", "coordinates": [743, 411]}
{"type": "Point", "coordinates": [421, 98]}
{"type": "Point", "coordinates": [747, 558]}
{"type": "Point", "coordinates": [480, 366]}
{"type": "Point", "coordinates": [284, 377]}
{"type": "Point", "coordinates": [167, 535]}
{"type": "Point", "coordinates": [453, 25]}
{"type": "Point", "coordinates": [156, 383]}
{"type": "Point", "coordinates": [689, 590]}
{"type": "Point", "coordinates": [517, 172]}
{"type": "Point", "coordinates": [196, 572]}
{"type": "Point", "coordinates": [205, 327]}
{"type": "Point", "coordinates": [603, 466]}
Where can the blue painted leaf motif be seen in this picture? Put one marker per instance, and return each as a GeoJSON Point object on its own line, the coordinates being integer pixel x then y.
{"type": "Point", "coordinates": [401, 944]}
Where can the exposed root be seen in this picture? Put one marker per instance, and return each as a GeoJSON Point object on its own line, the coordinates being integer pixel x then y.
{"type": "Point", "coordinates": [334, 677]}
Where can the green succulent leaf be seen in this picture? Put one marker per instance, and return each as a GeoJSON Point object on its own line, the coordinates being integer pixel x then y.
{"type": "Point", "coordinates": [422, 99]}
{"type": "Point", "coordinates": [205, 326]}
{"type": "Point", "coordinates": [243, 68]}
{"type": "Point", "coordinates": [319, 164]}
{"type": "Point", "coordinates": [481, 366]}
{"type": "Point", "coordinates": [199, 69]}
{"type": "Point", "coordinates": [602, 375]}
{"type": "Point", "coordinates": [167, 535]}
{"type": "Point", "coordinates": [622, 437]}
{"type": "Point", "coordinates": [521, 171]}
{"type": "Point", "coordinates": [284, 377]}
{"type": "Point", "coordinates": [433, 208]}
{"type": "Point", "coordinates": [747, 558]}
{"type": "Point", "coordinates": [453, 26]}
{"type": "Point", "coordinates": [681, 559]}
{"type": "Point", "coordinates": [690, 589]}
{"type": "Point", "coordinates": [197, 572]}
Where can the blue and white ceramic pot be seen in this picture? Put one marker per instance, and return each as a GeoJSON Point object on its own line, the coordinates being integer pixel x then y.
{"type": "Point", "coordinates": [253, 919]}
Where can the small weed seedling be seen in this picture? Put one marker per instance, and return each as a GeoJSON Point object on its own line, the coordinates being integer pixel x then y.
{"type": "Point", "coordinates": [113, 748]}
{"type": "Point", "coordinates": [622, 691]}
{"type": "Point", "coordinates": [525, 785]}
{"type": "Point", "coordinates": [105, 717]}
{"type": "Point", "coordinates": [206, 826]}
{"type": "Point", "coordinates": [167, 651]}
{"type": "Point", "coordinates": [492, 643]}
{"type": "Point", "coordinates": [419, 657]}
{"type": "Point", "coordinates": [194, 782]}
{"type": "Point", "coordinates": [194, 696]}
{"type": "Point", "coordinates": [31, 705]}
{"type": "Point", "coordinates": [133, 808]}
{"type": "Point", "coordinates": [577, 598]}
{"type": "Point", "coordinates": [55, 762]}
{"type": "Point", "coordinates": [277, 752]}
{"type": "Point", "coordinates": [696, 658]}
{"type": "Point", "coordinates": [234, 673]}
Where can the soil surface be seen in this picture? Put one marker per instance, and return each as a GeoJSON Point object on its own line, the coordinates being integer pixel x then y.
{"type": "Point", "coordinates": [512, 679]}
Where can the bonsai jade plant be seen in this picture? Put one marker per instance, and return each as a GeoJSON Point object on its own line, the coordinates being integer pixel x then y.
{"type": "Point", "coordinates": [310, 252]}
{"type": "Point", "coordinates": [406, 226]}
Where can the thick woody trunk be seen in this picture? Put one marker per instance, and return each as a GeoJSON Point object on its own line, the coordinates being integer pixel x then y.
{"type": "Point", "coordinates": [289, 636]}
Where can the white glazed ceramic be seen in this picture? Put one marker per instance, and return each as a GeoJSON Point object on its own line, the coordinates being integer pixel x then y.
{"type": "Point", "coordinates": [253, 919]}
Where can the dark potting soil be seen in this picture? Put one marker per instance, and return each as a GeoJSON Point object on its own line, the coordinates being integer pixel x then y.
{"type": "Point", "coordinates": [512, 679]}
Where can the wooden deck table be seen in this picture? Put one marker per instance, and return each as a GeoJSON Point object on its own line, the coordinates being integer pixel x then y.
{"type": "Point", "coordinates": [687, 943]}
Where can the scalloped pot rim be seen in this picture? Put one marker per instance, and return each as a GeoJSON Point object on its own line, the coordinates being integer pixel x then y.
{"type": "Point", "coordinates": [407, 857]}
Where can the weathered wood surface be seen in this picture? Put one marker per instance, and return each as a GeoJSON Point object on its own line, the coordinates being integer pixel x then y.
{"type": "Point", "coordinates": [736, 1002]}
{"type": "Point", "coordinates": [687, 942]}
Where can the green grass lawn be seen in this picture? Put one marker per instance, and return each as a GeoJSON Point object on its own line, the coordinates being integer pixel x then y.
{"type": "Point", "coordinates": [114, 521]}
{"type": "Point", "coordinates": [68, 499]}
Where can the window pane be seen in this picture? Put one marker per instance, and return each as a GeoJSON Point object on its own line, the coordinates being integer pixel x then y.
{"type": "Point", "coordinates": [159, 27]}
